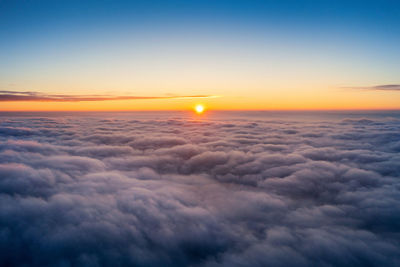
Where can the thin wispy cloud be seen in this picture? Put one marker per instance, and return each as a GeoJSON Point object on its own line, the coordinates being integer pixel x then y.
{"type": "Point", "coordinates": [383, 87]}
{"type": "Point", "coordinates": [9, 96]}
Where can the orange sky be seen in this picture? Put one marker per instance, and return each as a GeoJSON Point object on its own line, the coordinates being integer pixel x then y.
{"type": "Point", "coordinates": [336, 99]}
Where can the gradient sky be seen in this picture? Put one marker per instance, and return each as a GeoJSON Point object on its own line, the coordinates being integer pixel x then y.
{"type": "Point", "coordinates": [250, 54]}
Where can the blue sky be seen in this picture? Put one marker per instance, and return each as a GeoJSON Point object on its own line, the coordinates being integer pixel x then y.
{"type": "Point", "coordinates": [65, 46]}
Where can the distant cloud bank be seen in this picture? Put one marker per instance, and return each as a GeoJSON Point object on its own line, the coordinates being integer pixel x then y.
{"type": "Point", "coordinates": [8, 96]}
{"type": "Point", "coordinates": [384, 87]}
{"type": "Point", "coordinates": [120, 191]}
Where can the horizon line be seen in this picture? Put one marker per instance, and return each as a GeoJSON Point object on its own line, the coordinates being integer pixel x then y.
{"type": "Point", "coordinates": [207, 111]}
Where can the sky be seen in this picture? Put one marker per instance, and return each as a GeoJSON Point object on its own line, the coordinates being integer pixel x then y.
{"type": "Point", "coordinates": [172, 55]}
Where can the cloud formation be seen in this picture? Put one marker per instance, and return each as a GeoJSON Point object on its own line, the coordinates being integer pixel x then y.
{"type": "Point", "coordinates": [229, 191]}
{"type": "Point", "coordinates": [384, 87]}
{"type": "Point", "coordinates": [9, 96]}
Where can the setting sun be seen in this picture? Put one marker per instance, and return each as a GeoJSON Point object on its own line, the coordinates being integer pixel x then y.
{"type": "Point", "coordinates": [199, 109]}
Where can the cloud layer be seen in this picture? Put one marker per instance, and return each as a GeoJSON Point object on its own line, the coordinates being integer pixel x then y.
{"type": "Point", "coordinates": [165, 191]}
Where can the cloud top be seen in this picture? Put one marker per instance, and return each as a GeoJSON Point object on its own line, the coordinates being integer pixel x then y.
{"type": "Point", "coordinates": [230, 191]}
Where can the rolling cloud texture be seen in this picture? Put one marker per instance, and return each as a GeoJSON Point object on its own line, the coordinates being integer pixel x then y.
{"type": "Point", "coordinates": [117, 191]}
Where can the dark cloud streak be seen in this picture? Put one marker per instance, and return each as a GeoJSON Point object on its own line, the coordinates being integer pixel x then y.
{"type": "Point", "coordinates": [12, 96]}
{"type": "Point", "coordinates": [384, 87]}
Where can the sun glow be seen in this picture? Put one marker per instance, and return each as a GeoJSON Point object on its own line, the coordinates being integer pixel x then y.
{"type": "Point", "coordinates": [199, 109]}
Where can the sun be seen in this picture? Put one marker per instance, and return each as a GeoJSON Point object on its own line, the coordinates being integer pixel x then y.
{"type": "Point", "coordinates": [199, 109]}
